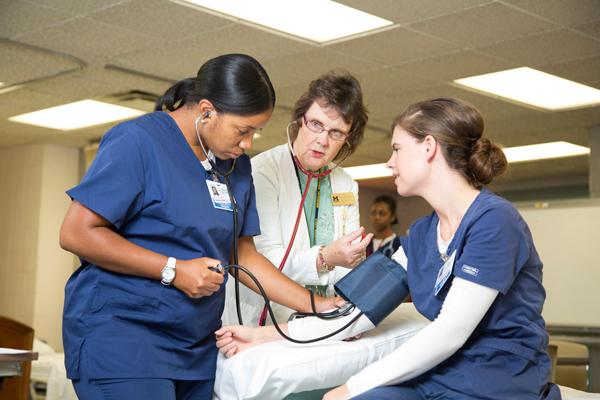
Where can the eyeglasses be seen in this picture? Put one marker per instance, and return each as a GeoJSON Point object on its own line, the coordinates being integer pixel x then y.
{"type": "Point", "coordinates": [316, 127]}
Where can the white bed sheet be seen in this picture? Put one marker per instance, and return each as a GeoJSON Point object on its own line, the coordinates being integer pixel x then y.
{"type": "Point", "coordinates": [274, 370]}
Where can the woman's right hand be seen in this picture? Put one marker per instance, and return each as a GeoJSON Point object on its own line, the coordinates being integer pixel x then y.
{"type": "Point", "coordinates": [195, 279]}
{"type": "Point", "coordinates": [343, 253]}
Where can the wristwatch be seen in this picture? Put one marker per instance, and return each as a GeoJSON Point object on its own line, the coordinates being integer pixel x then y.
{"type": "Point", "coordinates": [168, 272]}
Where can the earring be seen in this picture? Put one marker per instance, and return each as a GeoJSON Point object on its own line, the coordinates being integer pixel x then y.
{"type": "Point", "coordinates": [203, 121]}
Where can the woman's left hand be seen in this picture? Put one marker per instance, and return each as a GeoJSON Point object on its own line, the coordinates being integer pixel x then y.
{"type": "Point", "coordinates": [339, 393]}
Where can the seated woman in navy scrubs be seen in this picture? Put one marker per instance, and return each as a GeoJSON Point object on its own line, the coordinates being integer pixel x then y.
{"type": "Point", "coordinates": [141, 310]}
{"type": "Point", "coordinates": [472, 269]}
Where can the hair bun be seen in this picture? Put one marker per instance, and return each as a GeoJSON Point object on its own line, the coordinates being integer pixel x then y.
{"type": "Point", "coordinates": [487, 161]}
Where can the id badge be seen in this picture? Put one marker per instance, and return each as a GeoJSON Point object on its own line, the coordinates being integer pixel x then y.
{"type": "Point", "coordinates": [219, 195]}
{"type": "Point", "coordinates": [444, 273]}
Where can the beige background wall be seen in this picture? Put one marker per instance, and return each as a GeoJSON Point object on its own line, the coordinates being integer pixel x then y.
{"type": "Point", "coordinates": [34, 269]}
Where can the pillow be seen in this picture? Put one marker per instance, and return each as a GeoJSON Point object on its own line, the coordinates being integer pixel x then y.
{"type": "Point", "coordinates": [274, 370]}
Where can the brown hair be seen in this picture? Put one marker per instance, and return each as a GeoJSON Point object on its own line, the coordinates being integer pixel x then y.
{"type": "Point", "coordinates": [458, 127]}
{"type": "Point", "coordinates": [343, 93]}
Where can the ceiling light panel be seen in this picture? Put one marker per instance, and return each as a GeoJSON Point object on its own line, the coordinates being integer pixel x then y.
{"type": "Point", "coordinates": [368, 171]}
{"type": "Point", "coordinates": [535, 88]}
{"type": "Point", "coordinates": [77, 115]}
{"type": "Point", "coordinates": [544, 151]}
{"type": "Point", "coordinates": [316, 20]}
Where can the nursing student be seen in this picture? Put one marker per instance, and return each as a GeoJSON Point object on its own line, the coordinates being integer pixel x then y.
{"type": "Point", "coordinates": [487, 339]}
{"type": "Point", "coordinates": [327, 125]}
{"type": "Point", "coordinates": [148, 220]}
{"type": "Point", "coordinates": [383, 216]}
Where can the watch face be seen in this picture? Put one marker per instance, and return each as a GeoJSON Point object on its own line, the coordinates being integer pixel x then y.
{"type": "Point", "coordinates": [168, 274]}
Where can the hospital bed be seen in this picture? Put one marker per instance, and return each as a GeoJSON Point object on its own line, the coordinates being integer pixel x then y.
{"type": "Point", "coordinates": [276, 370]}
{"type": "Point", "coordinates": [49, 376]}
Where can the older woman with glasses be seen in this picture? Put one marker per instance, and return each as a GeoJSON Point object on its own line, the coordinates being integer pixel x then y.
{"type": "Point", "coordinates": [328, 123]}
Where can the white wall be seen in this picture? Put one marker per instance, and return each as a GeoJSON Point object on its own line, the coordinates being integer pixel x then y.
{"type": "Point", "coordinates": [34, 269]}
{"type": "Point", "coordinates": [567, 238]}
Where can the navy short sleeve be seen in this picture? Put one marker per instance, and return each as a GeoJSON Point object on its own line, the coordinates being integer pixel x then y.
{"type": "Point", "coordinates": [495, 248]}
{"type": "Point", "coordinates": [114, 184]}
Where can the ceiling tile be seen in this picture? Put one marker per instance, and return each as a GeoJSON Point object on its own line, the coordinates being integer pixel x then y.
{"type": "Point", "coordinates": [484, 24]}
{"type": "Point", "coordinates": [583, 70]}
{"type": "Point", "coordinates": [240, 38]}
{"type": "Point", "coordinates": [389, 81]}
{"type": "Point", "coordinates": [83, 34]}
{"type": "Point", "coordinates": [160, 59]}
{"type": "Point", "coordinates": [77, 7]}
{"type": "Point", "coordinates": [28, 101]}
{"type": "Point", "coordinates": [394, 46]}
{"type": "Point", "coordinates": [156, 18]}
{"type": "Point", "coordinates": [461, 64]}
{"type": "Point", "coordinates": [402, 11]}
{"type": "Point", "coordinates": [317, 61]}
{"type": "Point", "coordinates": [563, 12]}
{"type": "Point", "coordinates": [591, 28]}
{"type": "Point", "coordinates": [538, 124]}
{"type": "Point", "coordinates": [385, 108]}
{"type": "Point", "coordinates": [121, 81]}
{"type": "Point", "coordinates": [288, 87]}
{"type": "Point", "coordinates": [12, 24]}
{"type": "Point", "coordinates": [16, 73]}
{"type": "Point", "coordinates": [16, 53]}
{"type": "Point", "coordinates": [545, 48]}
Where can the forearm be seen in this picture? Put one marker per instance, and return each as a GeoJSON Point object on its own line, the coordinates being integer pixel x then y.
{"type": "Point", "coordinates": [96, 242]}
{"type": "Point", "coordinates": [464, 307]}
{"type": "Point", "coordinates": [278, 287]}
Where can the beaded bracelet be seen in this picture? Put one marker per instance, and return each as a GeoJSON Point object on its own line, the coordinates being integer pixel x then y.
{"type": "Point", "coordinates": [323, 263]}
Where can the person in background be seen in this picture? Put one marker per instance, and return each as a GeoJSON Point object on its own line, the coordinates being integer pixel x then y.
{"type": "Point", "coordinates": [472, 268]}
{"type": "Point", "coordinates": [140, 311]}
{"type": "Point", "coordinates": [327, 125]}
{"type": "Point", "coordinates": [383, 216]}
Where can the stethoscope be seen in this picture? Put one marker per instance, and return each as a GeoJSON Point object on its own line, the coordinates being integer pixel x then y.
{"type": "Point", "coordinates": [344, 311]}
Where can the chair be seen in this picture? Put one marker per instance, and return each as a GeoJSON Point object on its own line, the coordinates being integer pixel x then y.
{"type": "Point", "coordinates": [572, 364]}
{"type": "Point", "coordinates": [16, 335]}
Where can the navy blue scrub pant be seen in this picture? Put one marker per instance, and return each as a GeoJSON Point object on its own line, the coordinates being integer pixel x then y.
{"type": "Point", "coordinates": [143, 389]}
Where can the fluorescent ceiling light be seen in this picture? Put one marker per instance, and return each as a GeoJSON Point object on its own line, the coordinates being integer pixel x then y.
{"type": "Point", "coordinates": [77, 115]}
{"type": "Point", "coordinates": [543, 151]}
{"type": "Point", "coordinates": [316, 20]}
{"type": "Point", "coordinates": [513, 154]}
{"type": "Point", "coordinates": [368, 171]}
{"type": "Point", "coordinates": [536, 88]}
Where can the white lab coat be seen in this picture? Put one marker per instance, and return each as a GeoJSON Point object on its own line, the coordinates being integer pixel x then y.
{"type": "Point", "coordinates": [278, 199]}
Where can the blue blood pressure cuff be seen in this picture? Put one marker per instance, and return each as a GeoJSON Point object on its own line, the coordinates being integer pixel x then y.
{"type": "Point", "coordinates": [377, 286]}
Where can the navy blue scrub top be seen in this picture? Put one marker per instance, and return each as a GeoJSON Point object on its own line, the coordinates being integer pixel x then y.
{"type": "Point", "coordinates": [147, 181]}
{"type": "Point", "coordinates": [505, 357]}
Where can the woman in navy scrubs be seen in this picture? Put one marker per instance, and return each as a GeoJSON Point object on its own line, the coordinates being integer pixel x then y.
{"type": "Point", "coordinates": [148, 220]}
{"type": "Point", "coordinates": [472, 269]}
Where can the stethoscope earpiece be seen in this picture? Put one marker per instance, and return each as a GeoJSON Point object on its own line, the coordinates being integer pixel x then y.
{"type": "Point", "coordinates": [205, 115]}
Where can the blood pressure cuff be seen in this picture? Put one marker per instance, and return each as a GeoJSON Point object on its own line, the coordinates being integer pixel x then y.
{"type": "Point", "coordinates": [377, 286]}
